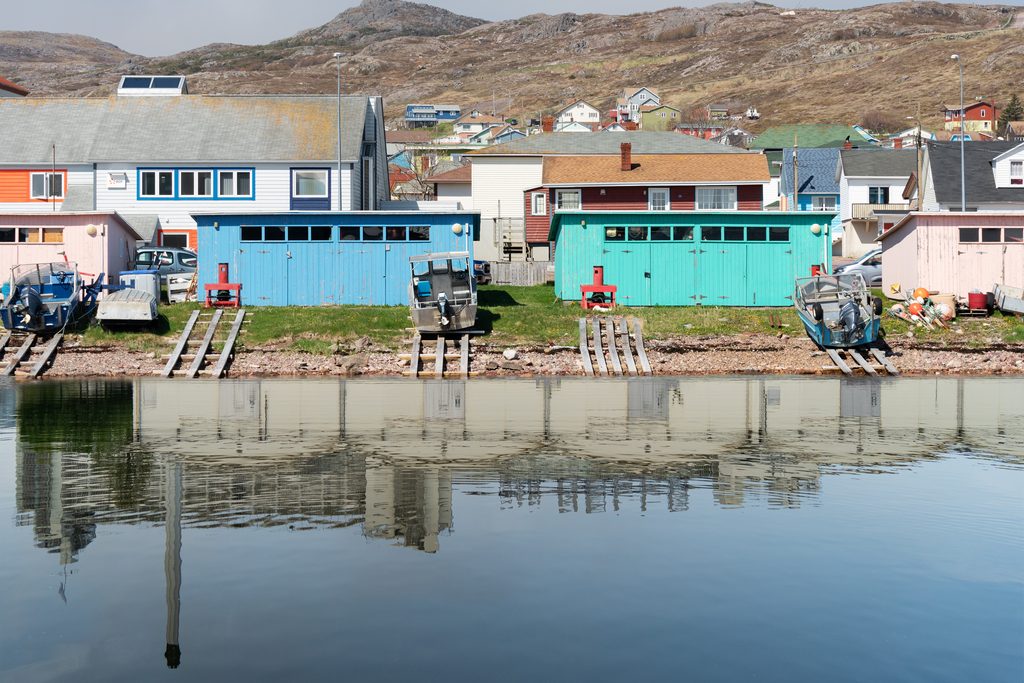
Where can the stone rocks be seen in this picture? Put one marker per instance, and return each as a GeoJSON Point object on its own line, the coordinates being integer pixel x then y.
{"type": "Point", "coordinates": [509, 354]}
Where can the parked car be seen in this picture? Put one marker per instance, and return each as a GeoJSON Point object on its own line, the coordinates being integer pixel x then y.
{"type": "Point", "coordinates": [166, 260]}
{"type": "Point", "coordinates": [482, 272]}
{"type": "Point", "coordinates": [869, 266]}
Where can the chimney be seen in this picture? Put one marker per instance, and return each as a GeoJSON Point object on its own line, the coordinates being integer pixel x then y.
{"type": "Point", "coordinates": [424, 164]}
{"type": "Point", "coordinates": [547, 124]}
{"type": "Point", "coordinates": [897, 143]}
{"type": "Point", "coordinates": [847, 145]}
{"type": "Point", "coordinates": [626, 152]}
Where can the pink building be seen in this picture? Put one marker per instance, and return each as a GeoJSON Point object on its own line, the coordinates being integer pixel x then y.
{"type": "Point", "coordinates": [954, 252]}
{"type": "Point", "coordinates": [98, 242]}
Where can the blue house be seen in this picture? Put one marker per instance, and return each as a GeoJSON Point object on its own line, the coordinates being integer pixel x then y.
{"type": "Point", "coordinates": [818, 189]}
{"type": "Point", "coordinates": [315, 259]}
{"type": "Point", "coordinates": [417, 115]}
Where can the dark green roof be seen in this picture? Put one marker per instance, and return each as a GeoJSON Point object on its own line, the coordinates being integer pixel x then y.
{"type": "Point", "coordinates": [807, 135]}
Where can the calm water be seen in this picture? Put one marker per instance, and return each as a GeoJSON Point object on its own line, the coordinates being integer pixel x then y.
{"type": "Point", "coordinates": [767, 529]}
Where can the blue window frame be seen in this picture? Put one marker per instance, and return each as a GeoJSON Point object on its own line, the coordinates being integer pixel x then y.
{"type": "Point", "coordinates": [203, 183]}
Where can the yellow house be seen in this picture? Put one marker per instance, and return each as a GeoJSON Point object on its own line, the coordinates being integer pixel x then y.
{"type": "Point", "coordinates": [661, 117]}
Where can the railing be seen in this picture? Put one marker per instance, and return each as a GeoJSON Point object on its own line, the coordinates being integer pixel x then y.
{"type": "Point", "coordinates": [867, 211]}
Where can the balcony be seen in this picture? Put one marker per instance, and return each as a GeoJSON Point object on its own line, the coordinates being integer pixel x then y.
{"type": "Point", "coordinates": [867, 211]}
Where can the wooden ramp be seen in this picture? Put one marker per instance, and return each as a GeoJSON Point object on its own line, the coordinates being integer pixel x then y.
{"type": "Point", "coordinates": [607, 343]}
{"type": "Point", "coordinates": [447, 348]}
{"type": "Point", "coordinates": [850, 360]}
{"type": "Point", "coordinates": [205, 352]}
{"type": "Point", "coordinates": [32, 355]}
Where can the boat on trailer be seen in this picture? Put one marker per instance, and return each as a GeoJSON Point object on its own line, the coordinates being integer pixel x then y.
{"type": "Point", "coordinates": [442, 292]}
{"type": "Point", "coordinates": [838, 311]}
{"type": "Point", "coordinates": [44, 298]}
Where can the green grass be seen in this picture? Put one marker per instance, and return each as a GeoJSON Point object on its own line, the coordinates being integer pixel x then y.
{"type": "Point", "coordinates": [529, 316]}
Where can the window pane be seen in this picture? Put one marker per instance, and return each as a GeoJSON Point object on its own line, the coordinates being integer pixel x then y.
{"type": "Point", "coordinates": [28, 235]}
{"type": "Point", "coordinates": [349, 232]}
{"type": "Point", "coordinates": [6, 235]}
{"type": "Point", "coordinates": [144, 258]}
{"type": "Point", "coordinates": [637, 233]}
{"type": "Point", "coordinates": [373, 232]}
{"type": "Point", "coordinates": [185, 259]}
{"type": "Point", "coordinates": [273, 233]}
{"type": "Point", "coordinates": [148, 184]}
{"type": "Point", "coordinates": [320, 233]}
{"type": "Point", "coordinates": [310, 183]}
{"type": "Point", "coordinates": [204, 186]}
{"type": "Point", "coordinates": [569, 200]}
{"type": "Point", "coordinates": [615, 234]}
{"type": "Point", "coordinates": [777, 234]}
{"type": "Point", "coordinates": [395, 233]}
{"type": "Point", "coordinates": [298, 233]}
{"type": "Point", "coordinates": [188, 184]}
{"type": "Point", "coordinates": [252, 233]}
{"type": "Point", "coordinates": [968, 234]}
{"type": "Point", "coordinates": [243, 183]}
{"type": "Point", "coordinates": [757, 234]}
{"type": "Point", "coordinates": [227, 184]}
{"type": "Point", "coordinates": [683, 233]}
{"type": "Point", "coordinates": [733, 234]}
{"type": "Point", "coordinates": [56, 184]}
{"type": "Point", "coordinates": [52, 235]}
{"type": "Point", "coordinates": [136, 82]}
{"type": "Point", "coordinates": [991, 234]}
{"type": "Point", "coordinates": [1014, 235]}
{"type": "Point", "coordinates": [712, 234]}
{"type": "Point", "coordinates": [165, 82]}
{"type": "Point", "coordinates": [419, 233]}
{"type": "Point", "coordinates": [661, 233]}
{"type": "Point", "coordinates": [38, 185]}
{"type": "Point", "coordinates": [166, 186]}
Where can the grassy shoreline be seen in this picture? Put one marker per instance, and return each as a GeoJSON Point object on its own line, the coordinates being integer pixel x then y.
{"type": "Point", "coordinates": [519, 316]}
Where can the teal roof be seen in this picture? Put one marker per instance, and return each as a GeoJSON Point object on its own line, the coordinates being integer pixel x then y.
{"type": "Point", "coordinates": [808, 135]}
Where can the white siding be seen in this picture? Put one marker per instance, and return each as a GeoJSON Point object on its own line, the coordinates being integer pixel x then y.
{"type": "Point", "coordinates": [456, 192]}
{"type": "Point", "coordinates": [1001, 169]}
{"type": "Point", "coordinates": [498, 186]}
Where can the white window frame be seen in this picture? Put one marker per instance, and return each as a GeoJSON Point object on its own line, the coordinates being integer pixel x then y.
{"type": "Point", "coordinates": [699, 205]}
{"type": "Point", "coordinates": [48, 188]}
{"type": "Point", "coordinates": [155, 172]}
{"type": "Point", "coordinates": [822, 197]}
{"type": "Point", "coordinates": [295, 183]}
{"type": "Point", "coordinates": [538, 204]}
{"type": "Point", "coordinates": [194, 172]}
{"type": "Point", "coordinates": [233, 172]}
{"type": "Point", "coordinates": [558, 200]}
{"type": "Point", "coordinates": [1019, 176]}
{"type": "Point", "coordinates": [659, 191]}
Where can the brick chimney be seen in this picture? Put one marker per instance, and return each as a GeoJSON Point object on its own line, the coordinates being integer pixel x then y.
{"type": "Point", "coordinates": [626, 152]}
{"type": "Point", "coordinates": [424, 164]}
{"type": "Point", "coordinates": [897, 143]}
{"type": "Point", "coordinates": [547, 124]}
{"type": "Point", "coordinates": [847, 144]}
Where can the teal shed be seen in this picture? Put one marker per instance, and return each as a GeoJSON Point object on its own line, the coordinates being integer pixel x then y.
{"type": "Point", "coordinates": [688, 258]}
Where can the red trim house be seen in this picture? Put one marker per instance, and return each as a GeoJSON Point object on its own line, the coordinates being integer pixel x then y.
{"type": "Point", "coordinates": [644, 182]}
{"type": "Point", "coordinates": [979, 117]}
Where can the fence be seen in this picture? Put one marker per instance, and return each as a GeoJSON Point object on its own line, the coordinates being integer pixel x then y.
{"type": "Point", "coordinates": [521, 273]}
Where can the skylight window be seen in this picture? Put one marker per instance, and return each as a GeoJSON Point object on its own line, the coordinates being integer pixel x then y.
{"type": "Point", "coordinates": [152, 85]}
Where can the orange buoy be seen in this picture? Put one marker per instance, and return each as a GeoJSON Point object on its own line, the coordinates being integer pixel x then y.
{"type": "Point", "coordinates": [916, 309]}
{"type": "Point", "coordinates": [920, 293]}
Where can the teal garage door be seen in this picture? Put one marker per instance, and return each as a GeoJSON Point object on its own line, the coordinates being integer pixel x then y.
{"type": "Point", "coordinates": [673, 265]}
{"type": "Point", "coordinates": [770, 273]}
{"type": "Point", "coordinates": [722, 266]}
{"type": "Point", "coordinates": [627, 263]}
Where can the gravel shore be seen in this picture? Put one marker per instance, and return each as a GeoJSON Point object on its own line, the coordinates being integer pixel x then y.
{"type": "Point", "coordinates": [685, 355]}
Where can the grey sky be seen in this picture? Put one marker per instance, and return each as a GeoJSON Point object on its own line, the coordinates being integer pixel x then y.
{"type": "Point", "coordinates": [160, 27]}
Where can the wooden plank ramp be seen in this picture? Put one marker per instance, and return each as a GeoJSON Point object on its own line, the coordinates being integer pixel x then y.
{"type": "Point", "coordinates": [862, 362]}
{"type": "Point", "coordinates": [48, 353]}
{"type": "Point", "coordinates": [179, 348]}
{"type": "Point", "coordinates": [20, 355]}
{"type": "Point", "coordinates": [879, 355]}
{"type": "Point", "coordinates": [602, 366]}
{"type": "Point", "coordinates": [228, 351]}
{"type": "Point", "coordinates": [204, 346]}
{"type": "Point", "coordinates": [613, 354]}
{"type": "Point", "coordinates": [588, 366]}
{"type": "Point", "coordinates": [464, 356]}
{"type": "Point", "coordinates": [638, 340]}
{"type": "Point", "coordinates": [839, 362]}
{"type": "Point", "coordinates": [623, 331]}
{"type": "Point", "coordinates": [439, 357]}
{"type": "Point", "coordinates": [4, 341]}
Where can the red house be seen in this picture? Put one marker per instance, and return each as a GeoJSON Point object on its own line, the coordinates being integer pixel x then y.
{"type": "Point", "coordinates": [645, 182]}
{"type": "Point", "coordinates": [703, 130]}
{"type": "Point", "coordinates": [979, 117]}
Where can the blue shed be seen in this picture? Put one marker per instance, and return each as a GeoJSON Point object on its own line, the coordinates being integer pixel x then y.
{"type": "Point", "coordinates": [314, 259]}
{"type": "Point", "coordinates": [687, 258]}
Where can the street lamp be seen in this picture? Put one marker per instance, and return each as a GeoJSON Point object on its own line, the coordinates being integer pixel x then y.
{"type": "Point", "coordinates": [920, 187]}
{"type": "Point", "coordinates": [963, 183]}
{"type": "Point", "coordinates": [337, 61]}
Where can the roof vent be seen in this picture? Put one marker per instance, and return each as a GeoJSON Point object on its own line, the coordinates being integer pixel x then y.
{"type": "Point", "coordinates": [142, 86]}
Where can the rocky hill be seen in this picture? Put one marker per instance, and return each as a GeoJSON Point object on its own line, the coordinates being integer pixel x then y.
{"type": "Point", "coordinates": [802, 65]}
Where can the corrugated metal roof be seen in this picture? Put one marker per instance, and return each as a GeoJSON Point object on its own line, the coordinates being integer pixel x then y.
{"type": "Point", "coordinates": [596, 143]}
{"type": "Point", "coordinates": [816, 168]}
{"type": "Point", "coordinates": [189, 128]}
{"type": "Point", "coordinates": [878, 162]}
{"type": "Point", "coordinates": [657, 168]}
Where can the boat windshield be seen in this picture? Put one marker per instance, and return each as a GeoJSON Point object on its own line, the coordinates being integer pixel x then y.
{"type": "Point", "coordinates": [42, 273]}
{"type": "Point", "coordinates": [830, 287]}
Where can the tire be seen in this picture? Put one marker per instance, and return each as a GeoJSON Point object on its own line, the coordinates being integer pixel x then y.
{"type": "Point", "coordinates": [876, 305]}
{"type": "Point", "coordinates": [819, 314]}
{"type": "Point", "coordinates": [597, 298]}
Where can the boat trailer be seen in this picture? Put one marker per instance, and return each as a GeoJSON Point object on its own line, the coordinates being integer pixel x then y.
{"type": "Point", "coordinates": [25, 347]}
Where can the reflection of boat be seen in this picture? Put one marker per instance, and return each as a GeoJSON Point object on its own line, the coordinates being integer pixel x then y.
{"type": "Point", "coordinates": [837, 311]}
{"type": "Point", "coordinates": [442, 292]}
{"type": "Point", "coordinates": [46, 297]}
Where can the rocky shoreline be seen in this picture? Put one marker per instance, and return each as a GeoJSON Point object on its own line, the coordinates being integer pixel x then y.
{"type": "Point", "coordinates": [684, 355]}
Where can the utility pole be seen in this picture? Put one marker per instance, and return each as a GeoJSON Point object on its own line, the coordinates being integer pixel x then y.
{"type": "Point", "coordinates": [796, 175]}
{"type": "Point", "coordinates": [337, 61]}
{"type": "Point", "coordinates": [963, 179]}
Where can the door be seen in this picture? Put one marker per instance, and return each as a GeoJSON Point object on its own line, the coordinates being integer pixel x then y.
{"type": "Point", "coordinates": [361, 272]}
{"type": "Point", "coordinates": [721, 267]}
{"type": "Point", "coordinates": [261, 267]}
{"type": "Point", "coordinates": [770, 277]}
{"type": "Point", "coordinates": [627, 264]}
{"type": "Point", "coordinates": [673, 266]}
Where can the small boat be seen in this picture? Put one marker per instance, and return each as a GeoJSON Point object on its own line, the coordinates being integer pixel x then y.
{"type": "Point", "coordinates": [442, 292]}
{"type": "Point", "coordinates": [45, 298]}
{"type": "Point", "coordinates": [837, 311]}
{"type": "Point", "coordinates": [1009, 299]}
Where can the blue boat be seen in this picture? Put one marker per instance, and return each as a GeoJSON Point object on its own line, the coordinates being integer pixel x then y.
{"type": "Point", "coordinates": [45, 298]}
{"type": "Point", "coordinates": [837, 311]}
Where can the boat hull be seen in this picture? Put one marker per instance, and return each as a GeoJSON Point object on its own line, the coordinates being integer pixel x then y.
{"type": "Point", "coordinates": [429, 319]}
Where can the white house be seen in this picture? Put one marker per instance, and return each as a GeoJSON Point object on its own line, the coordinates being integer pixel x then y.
{"type": "Point", "coordinates": [632, 99]}
{"type": "Point", "coordinates": [474, 122]}
{"type": "Point", "coordinates": [158, 159]}
{"type": "Point", "coordinates": [573, 127]}
{"type": "Point", "coordinates": [871, 183]}
{"type": "Point", "coordinates": [994, 172]}
{"type": "Point", "coordinates": [578, 112]}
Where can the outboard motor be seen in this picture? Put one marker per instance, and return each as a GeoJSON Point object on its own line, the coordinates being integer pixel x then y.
{"type": "Point", "coordinates": [444, 308]}
{"type": "Point", "coordinates": [849, 314]}
{"type": "Point", "coordinates": [29, 305]}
